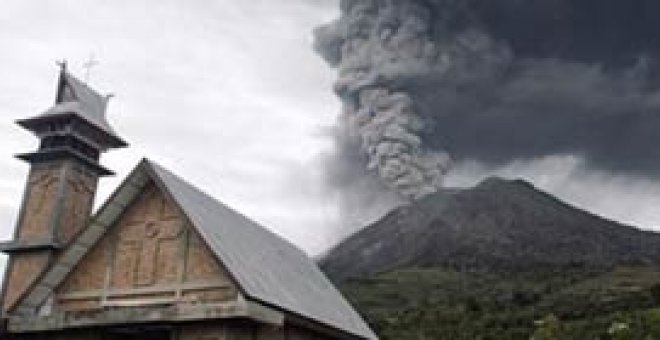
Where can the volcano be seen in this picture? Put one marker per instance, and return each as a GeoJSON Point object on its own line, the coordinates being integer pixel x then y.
{"type": "Point", "coordinates": [499, 225]}
{"type": "Point", "coordinates": [501, 260]}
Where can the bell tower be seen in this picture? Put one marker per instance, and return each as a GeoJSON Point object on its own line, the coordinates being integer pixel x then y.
{"type": "Point", "coordinates": [62, 180]}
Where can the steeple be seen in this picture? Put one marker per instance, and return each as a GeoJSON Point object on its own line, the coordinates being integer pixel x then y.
{"type": "Point", "coordinates": [75, 127]}
{"type": "Point", "coordinates": [62, 182]}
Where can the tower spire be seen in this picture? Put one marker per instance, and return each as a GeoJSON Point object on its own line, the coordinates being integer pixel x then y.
{"type": "Point", "coordinates": [64, 173]}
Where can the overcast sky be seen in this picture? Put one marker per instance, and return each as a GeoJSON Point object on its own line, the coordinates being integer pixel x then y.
{"type": "Point", "coordinates": [230, 95]}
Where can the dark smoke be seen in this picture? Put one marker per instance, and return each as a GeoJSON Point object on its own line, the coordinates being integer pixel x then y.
{"type": "Point", "coordinates": [493, 81]}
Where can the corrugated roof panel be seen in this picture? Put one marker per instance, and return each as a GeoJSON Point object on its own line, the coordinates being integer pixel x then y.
{"type": "Point", "coordinates": [268, 268]}
{"type": "Point", "coordinates": [94, 104]}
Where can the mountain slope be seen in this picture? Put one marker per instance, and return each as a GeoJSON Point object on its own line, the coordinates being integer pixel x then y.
{"type": "Point", "coordinates": [491, 261]}
{"type": "Point", "coordinates": [436, 303]}
{"type": "Point", "coordinates": [503, 225]}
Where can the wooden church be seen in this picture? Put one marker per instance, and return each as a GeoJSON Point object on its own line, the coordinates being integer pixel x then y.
{"type": "Point", "coordinates": [159, 260]}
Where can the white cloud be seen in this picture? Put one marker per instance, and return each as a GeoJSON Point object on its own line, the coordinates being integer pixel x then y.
{"type": "Point", "coordinates": [630, 200]}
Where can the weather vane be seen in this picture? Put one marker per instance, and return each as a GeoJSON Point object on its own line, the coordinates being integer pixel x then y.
{"type": "Point", "coordinates": [88, 66]}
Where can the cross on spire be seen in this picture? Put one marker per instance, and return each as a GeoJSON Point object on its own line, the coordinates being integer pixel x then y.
{"type": "Point", "coordinates": [88, 66]}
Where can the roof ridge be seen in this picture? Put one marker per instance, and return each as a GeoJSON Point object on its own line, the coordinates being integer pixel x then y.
{"type": "Point", "coordinates": [156, 165]}
{"type": "Point", "coordinates": [285, 278]}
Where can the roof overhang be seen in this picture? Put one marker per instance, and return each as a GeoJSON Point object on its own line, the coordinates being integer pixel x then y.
{"type": "Point", "coordinates": [12, 247]}
{"type": "Point", "coordinates": [64, 153]}
{"type": "Point", "coordinates": [38, 123]}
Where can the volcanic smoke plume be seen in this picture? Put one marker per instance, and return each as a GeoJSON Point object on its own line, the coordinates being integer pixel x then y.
{"type": "Point", "coordinates": [493, 81]}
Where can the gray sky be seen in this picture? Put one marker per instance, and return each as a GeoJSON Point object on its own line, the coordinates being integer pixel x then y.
{"type": "Point", "coordinates": [230, 95]}
{"type": "Point", "coordinates": [550, 90]}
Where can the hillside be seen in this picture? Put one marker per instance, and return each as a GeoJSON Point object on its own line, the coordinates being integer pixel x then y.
{"type": "Point", "coordinates": [435, 303]}
{"type": "Point", "coordinates": [491, 261]}
{"type": "Point", "coordinates": [503, 225]}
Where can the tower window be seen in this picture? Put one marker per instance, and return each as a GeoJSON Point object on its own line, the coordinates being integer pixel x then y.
{"type": "Point", "coordinates": [52, 142]}
{"type": "Point", "coordinates": [55, 142]}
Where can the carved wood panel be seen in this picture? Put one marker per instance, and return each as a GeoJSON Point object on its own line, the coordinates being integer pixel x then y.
{"type": "Point", "coordinates": [42, 199]}
{"type": "Point", "coordinates": [38, 210]}
{"type": "Point", "coordinates": [147, 243]}
{"type": "Point", "coordinates": [149, 254]}
{"type": "Point", "coordinates": [89, 273]}
{"type": "Point", "coordinates": [80, 190]}
{"type": "Point", "coordinates": [23, 270]}
{"type": "Point", "coordinates": [203, 263]}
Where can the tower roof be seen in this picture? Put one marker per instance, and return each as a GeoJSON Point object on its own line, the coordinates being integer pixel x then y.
{"type": "Point", "coordinates": [76, 98]}
{"type": "Point", "coordinates": [73, 94]}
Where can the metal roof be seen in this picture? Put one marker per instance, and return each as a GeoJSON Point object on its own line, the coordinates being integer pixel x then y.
{"type": "Point", "coordinates": [77, 97]}
{"type": "Point", "coordinates": [267, 268]}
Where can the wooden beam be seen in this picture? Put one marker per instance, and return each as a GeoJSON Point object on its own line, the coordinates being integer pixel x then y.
{"type": "Point", "coordinates": [109, 266]}
{"type": "Point", "coordinates": [183, 259]}
{"type": "Point", "coordinates": [138, 315]}
{"type": "Point", "coordinates": [163, 289]}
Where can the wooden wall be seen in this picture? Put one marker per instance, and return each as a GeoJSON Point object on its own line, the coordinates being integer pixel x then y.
{"type": "Point", "coordinates": [57, 203]}
{"type": "Point", "coordinates": [34, 224]}
{"type": "Point", "coordinates": [151, 256]}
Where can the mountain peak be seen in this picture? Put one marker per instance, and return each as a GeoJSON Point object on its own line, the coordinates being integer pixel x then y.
{"type": "Point", "coordinates": [498, 182]}
{"type": "Point", "coordinates": [499, 224]}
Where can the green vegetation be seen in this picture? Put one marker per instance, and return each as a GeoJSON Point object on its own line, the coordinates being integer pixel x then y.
{"type": "Point", "coordinates": [444, 304]}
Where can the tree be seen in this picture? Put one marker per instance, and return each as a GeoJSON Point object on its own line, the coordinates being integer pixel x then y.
{"type": "Point", "coordinates": [547, 328]}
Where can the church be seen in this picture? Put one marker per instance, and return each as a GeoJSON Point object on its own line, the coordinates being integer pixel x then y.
{"type": "Point", "coordinates": [159, 260]}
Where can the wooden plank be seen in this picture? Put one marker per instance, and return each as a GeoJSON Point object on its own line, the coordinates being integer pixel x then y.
{"type": "Point", "coordinates": [110, 261]}
{"type": "Point", "coordinates": [138, 302]}
{"type": "Point", "coordinates": [128, 316]}
{"type": "Point", "coordinates": [164, 289]}
{"type": "Point", "coordinates": [183, 259]}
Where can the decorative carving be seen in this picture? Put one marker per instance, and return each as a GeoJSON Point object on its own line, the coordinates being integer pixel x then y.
{"type": "Point", "coordinates": [80, 188]}
{"type": "Point", "coordinates": [143, 241]}
{"type": "Point", "coordinates": [41, 188]}
{"type": "Point", "coordinates": [149, 255]}
{"type": "Point", "coordinates": [34, 226]}
{"type": "Point", "coordinates": [204, 264]}
{"type": "Point", "coordinates": [23, 270]}
{"type": "Point", "coordinates": [37, 212]}
{"type": "Point", "coordinates": [90, 271]}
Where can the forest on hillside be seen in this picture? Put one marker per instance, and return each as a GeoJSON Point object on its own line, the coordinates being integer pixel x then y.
{"type": "Point", "coordinates": [434, 303]}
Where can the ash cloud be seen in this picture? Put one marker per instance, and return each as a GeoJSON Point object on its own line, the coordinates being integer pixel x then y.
{"type": "Point", "coordinates": [425, 83]}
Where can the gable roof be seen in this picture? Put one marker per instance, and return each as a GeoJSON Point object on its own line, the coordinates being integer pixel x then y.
{"type": "Point", "coordinates": [267, 268]}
